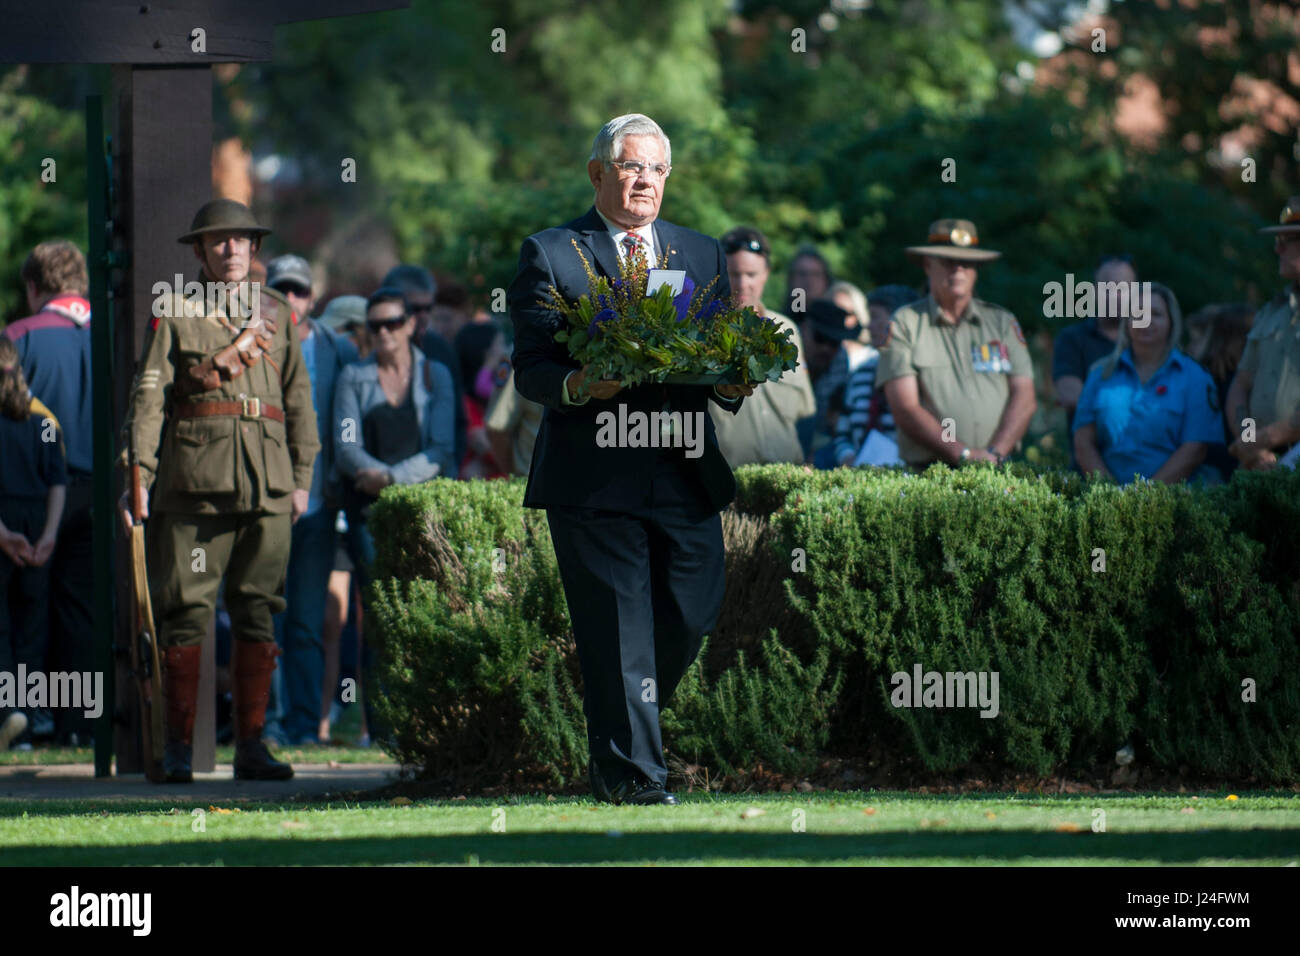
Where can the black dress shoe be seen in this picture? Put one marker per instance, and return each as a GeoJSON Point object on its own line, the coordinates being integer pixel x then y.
{"type": "Point", "coordinates": [599, 789]}
{"type": "Point", "coordinates": [642, 791]}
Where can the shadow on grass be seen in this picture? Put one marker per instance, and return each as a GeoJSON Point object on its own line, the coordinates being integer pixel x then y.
{"type": "Point", "coordinates": [680, 847]}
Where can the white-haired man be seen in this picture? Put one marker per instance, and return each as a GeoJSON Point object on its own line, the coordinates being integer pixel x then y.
{"type": "Point", "coordinates": [637, 530]}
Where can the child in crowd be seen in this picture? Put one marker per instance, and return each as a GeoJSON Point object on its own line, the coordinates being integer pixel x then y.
{"type": "Point", "coordinates": [33, 485]}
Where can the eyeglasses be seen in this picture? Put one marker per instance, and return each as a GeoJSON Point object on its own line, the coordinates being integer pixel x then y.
{"type": "Point", "coordinates": [634, 168]}
{"type": "Point", "coordinates": [378, 325]}
{"type": "Point", "coordinates": [737, 244]}
{"type": "Point", "coordinates": [292, 288]}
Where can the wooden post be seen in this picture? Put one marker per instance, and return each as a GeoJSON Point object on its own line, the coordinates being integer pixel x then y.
{"type": "Point", "coordinates": [165, 113]}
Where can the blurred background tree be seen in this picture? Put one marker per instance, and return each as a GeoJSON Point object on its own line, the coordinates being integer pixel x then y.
{"type": "Point", "coordinates": [38, 200]}
{"type": "Point", "coordinates": [816, 120]}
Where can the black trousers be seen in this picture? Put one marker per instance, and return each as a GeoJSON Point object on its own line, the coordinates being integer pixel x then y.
{"type": "Point", "coordinates": [643, 587]}
{"type": "Point", "coordinates": [72, 597]}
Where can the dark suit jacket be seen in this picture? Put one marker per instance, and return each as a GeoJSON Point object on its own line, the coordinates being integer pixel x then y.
{"type": "Point", "coordinates": [568, 468]}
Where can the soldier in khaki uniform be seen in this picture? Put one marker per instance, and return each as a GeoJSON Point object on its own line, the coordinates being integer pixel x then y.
{"type": "Point", "coordinates": [222, 425]}
{"type": "Point", "coordinates": [1263, 405]}
{"type": "Point", "coordinates": [953, 357]}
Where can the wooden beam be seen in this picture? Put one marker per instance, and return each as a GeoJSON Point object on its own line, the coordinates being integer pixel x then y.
{"type": "Point", "coordinates": [158, 33]}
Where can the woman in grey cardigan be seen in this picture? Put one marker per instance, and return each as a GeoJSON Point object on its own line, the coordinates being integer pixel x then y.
{"type": "Point", "coordinates": [418, 393]}
{"type": "Point", "coordinates": [394, 414]}
{"type": "Point", "coordinates": [394, 424]}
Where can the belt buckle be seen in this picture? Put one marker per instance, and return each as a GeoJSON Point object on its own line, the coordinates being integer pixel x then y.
{"type": "Point", "coordinates": [252, 408]}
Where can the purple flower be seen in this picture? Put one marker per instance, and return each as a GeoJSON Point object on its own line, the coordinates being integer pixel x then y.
{"type": "Point", "coordinates": [682, 301]}
{"type": "Point", "coordinates": [599, 319]}
{"type": "Point", "coordinates": [715, 307]}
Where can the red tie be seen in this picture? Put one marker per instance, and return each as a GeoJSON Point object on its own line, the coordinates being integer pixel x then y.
{"type": "Point", "coordinates": [634, 246]}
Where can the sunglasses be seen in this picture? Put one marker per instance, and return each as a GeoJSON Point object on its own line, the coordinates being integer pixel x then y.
{"type": "Point", "coordinates": [736, 244]}
{"type": "Point", "coordinates": [378, 325]}
{"type": "Point", "coordinates": [292, 288]}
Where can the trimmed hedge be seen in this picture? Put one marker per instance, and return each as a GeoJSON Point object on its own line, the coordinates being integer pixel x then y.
{"type": "Point", "coordinates": [836, 581]}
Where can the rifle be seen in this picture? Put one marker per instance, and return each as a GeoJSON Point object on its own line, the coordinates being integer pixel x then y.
{"type": "Point", "coordinates": [144, 640]}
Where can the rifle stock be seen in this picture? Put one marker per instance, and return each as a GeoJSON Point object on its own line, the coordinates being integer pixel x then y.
{"type": "Point", "coordinates": [145, 661]}
{"type": "Point", "coordinates": [137, 494]}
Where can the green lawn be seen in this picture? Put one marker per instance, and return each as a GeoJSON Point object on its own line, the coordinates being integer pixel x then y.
{"type": "Point", "coordinates": [838, 828]}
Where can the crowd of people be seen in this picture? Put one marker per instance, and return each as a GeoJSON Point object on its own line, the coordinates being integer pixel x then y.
{"type": "Point", "coordinates": [413, 382]}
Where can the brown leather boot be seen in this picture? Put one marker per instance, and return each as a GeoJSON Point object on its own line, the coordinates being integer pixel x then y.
{"type": "Point", "coordinates": [181, 692]}
{"type": "Point", "coordinates": [251, 665]}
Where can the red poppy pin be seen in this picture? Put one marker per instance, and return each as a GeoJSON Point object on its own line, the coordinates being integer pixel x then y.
{"type": "Point", "coordinates": [1161, 389]}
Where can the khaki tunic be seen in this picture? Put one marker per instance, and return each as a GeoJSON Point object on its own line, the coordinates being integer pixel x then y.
{"type": "Point", "coordinates": [1272, 353]}
{"type": "Point", "coordinates": [221, 464]}
{"type": "Point", "coordinates": [962, 370]}
{"type": "Point", "coordinates": [763, 431]}
{"type": "Point", "coordinates": [221, 485]}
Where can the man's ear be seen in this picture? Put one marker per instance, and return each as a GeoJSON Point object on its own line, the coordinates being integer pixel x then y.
{"type": "Point", "coordinates": [197, 246]}
{"type": "Point", "coordinates": [595, 171]}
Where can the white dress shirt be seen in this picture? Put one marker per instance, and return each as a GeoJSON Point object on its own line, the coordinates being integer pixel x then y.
{"type": "Point", "coordinates": [617, 232]}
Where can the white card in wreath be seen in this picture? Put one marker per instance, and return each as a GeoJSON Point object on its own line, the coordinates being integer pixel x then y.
{"type": "Point", "coordinates": [674, 278]}
{"type": "Point", "coordinates": [1290, 458]}
{"type": "Point", "coordinates": [878, 450]}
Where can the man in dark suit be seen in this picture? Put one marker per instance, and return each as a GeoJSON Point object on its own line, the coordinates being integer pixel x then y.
{"type": "Point", "coordinates": [636, 530]}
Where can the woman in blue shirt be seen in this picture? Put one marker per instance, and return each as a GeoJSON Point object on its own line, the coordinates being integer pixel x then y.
{"type": "Point", "coordinates": [1147, 410]}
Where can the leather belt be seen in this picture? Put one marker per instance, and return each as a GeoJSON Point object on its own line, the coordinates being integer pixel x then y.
{"type": "Point", "coordinates": [246, 408]}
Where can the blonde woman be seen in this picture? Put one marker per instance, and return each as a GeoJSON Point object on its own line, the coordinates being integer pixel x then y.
{"type": "Point", "coordinates": [1147, 410]}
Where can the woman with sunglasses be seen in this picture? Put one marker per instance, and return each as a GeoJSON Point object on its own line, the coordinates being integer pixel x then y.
{"type": "Point", "coordinates": [394, 421]}
{"type": "Point", "coordinates": [394, 410]}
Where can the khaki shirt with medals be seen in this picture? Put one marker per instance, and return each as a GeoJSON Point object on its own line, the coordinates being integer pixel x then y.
{"type": "Point", "coordinates": [961, 370]}
{"type": "Point", "coordinates": [221, 464]}
{"type": "Point", "coordinates": [1272, 354]}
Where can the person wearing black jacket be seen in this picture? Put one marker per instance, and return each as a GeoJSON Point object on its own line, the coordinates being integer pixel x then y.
{"type": "Point", "coordinates": [636, 530]}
